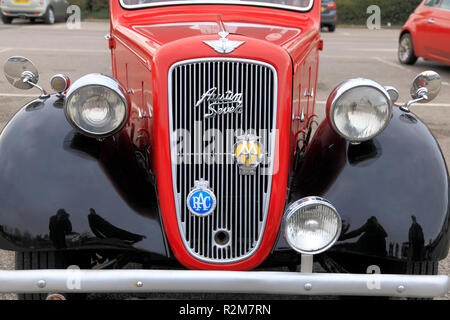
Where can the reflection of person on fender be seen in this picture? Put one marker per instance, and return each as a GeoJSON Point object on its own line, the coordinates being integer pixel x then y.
{"type": "Point", "coordinates": [105, 230]}
{"type": "Point", "coordinates": [372, 240]}
{"type": "Point", "coordinates": [60, 226]}
{"type": "Point", "coordinates": [416, 240]}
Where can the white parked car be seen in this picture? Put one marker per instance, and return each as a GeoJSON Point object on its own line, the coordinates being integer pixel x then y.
{"type": "Point", "coordinates": [49, 10]}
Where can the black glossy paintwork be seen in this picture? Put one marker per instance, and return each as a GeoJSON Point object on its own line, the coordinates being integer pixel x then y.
{"type": "Point", "coordinates": [62, 190]}
{"type": "Point", "coordinates": [392, 192]}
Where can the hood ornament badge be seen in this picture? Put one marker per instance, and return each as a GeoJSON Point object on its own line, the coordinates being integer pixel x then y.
{"type": "Point", "coordinates": [223, 45]}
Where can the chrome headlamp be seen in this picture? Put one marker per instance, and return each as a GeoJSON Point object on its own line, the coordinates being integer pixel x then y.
{"type": "Point", "coordinates": [96, 105]}
{"type": "Point", "coordinates": [312, 225]}
{"type": "Point", "coordinates": [359, 109]}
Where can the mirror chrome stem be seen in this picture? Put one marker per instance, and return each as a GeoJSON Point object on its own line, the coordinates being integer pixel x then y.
{"type": "Point", "coordinates": [422, 94]}
{"type": "Point", "coordinates": [29, 78]}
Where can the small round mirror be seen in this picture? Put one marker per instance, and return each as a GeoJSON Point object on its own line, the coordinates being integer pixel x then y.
{"type": "Point", "coordinates": [426, 85]}
{"type": "Point", "coordinates": [19, 68]}
{"type": "Point", "coordinates": [393, 93]}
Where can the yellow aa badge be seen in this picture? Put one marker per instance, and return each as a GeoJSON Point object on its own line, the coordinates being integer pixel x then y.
{"type": "Point", "coordinates": [247, 152]}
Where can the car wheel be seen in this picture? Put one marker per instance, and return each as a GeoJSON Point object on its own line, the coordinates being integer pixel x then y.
{"type": "Point", "coordinates": [406, 53]}
{"type": "Point", "coordinates": [49, 17]}
{"type": "Point", "coordinates": [43, 260]}
{"type": "Point", "coordinates": [6, 20]}
{"type": "Point", "coordinates": [331, 28]}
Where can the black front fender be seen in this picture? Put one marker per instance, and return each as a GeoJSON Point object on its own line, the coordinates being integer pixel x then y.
{"type": "Point", "coordinates": [62, 190]}
{"type": "Point", "coordinates": [392, 192]}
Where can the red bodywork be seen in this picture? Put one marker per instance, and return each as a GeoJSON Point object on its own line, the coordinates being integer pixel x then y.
{"type": "Point", "coordinates": [429, 27]}
{"type": "Point", "coordinates": [147, 42]}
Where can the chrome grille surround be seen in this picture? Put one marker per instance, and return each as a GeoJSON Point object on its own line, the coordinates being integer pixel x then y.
{"type": "Point", "coordinates": [238, 211]}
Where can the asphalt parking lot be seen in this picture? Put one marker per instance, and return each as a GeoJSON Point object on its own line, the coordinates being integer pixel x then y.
{"type": "Point", "coordinates": [348, 53]}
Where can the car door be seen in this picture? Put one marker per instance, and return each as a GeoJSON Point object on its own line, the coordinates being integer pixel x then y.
{"type": "Point", "coordinates": [426, 37]}
{"type": "Point", "coordinates": [442, 27]}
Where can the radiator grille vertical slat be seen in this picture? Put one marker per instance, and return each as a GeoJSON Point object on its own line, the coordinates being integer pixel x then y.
{"type": "Point", "coordinates": [242, 200]}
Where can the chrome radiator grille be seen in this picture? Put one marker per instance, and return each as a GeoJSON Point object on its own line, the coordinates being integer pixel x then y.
{"type": "Point", "coordinates": [198, 151]}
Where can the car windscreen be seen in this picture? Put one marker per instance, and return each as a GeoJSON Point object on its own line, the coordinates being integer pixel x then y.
{"type": "Point", "coordinates": [299, 5]}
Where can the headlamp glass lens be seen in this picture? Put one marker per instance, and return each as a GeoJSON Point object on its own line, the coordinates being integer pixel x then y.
{"type": "Point", "coordinates": [312, 228]}
{"type": "Point", "coordinates": [361, 113]}
{"type": "Point", "coordinates": [96, 110]}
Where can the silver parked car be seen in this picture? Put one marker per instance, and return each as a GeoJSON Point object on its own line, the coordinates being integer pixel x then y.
{"type": "Point", "coordinates": [48, 10]}
{"type": "Point", "coordinates": [329, 15]}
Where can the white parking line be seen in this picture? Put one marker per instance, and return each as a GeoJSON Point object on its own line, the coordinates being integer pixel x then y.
{"type": "Point", "coordinates": [62, 50]}
{"type": "Point", "coordinates": [18, 95]}
{"type": "Point", "coordinates": [444, 83]}
{"type": "Point", "coordinates": [395, 65]}
{"type": "Point", "coordinates": [399, 103]}
{"type": "Point", "coordinates": [437, 105]}
{"type": "Point", "coordinates": [345, 57]}
{"type": "Point", "coordinates": [45, 27]}
{"type": "Point", "coordinates": [4, 50]}
{"type": "Point", "coordinates": [374, 50]}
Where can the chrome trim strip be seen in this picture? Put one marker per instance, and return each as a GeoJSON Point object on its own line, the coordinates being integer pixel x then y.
{"type": "Point", "coordinates": [192, 281]}
{"type": "Point", "coordinates": [182, 213]}
{"type": "Point", "coordinates": [235, 2]}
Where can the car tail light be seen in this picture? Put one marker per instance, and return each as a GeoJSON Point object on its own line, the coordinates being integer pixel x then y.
{"type": "Point", "coordinates": [331, 5]}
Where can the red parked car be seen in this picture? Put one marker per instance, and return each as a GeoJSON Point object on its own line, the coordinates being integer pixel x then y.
{"type": "Point", "coordinates": [201, 162]}
{"type": "Point", "coordinates": [426, 34]}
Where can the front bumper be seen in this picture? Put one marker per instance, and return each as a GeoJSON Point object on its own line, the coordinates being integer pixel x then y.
{"type": "Point", "coordinates": [190, 281]}
{"type": "Point", "coordinates": [28, 12]}
{"type": "Point", "coordinates": [23, 14]}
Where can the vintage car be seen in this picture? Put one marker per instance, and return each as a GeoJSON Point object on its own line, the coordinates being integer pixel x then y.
{"type": "Point", "coordinates": [426, 34]}
{"type": "Point", "coordinates": [202, 162]}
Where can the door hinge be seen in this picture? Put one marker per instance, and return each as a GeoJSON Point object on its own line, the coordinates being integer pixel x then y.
{"type": "Point", "coordinates": [321, 45]}
{"type": "Point", "coordinates": [111, 41]}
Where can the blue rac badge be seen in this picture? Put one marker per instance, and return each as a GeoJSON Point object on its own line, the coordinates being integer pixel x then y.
{"type": "Point", "coordinates": [201, 201]}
